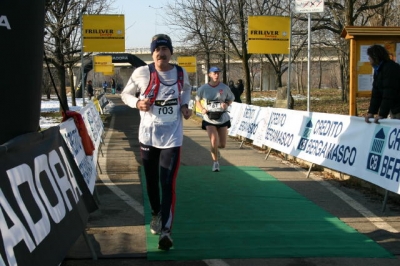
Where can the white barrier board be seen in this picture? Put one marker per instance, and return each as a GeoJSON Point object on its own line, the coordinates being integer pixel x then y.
{"type": "Point", "coordinates": [344, 143]}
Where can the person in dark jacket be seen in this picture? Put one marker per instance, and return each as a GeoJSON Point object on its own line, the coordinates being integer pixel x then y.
{"type": "Point", "coordinates": [240, 86]}
{"type": "Point", "coordinates": [105, 86]}
{"type": "Point", "coordinates": [90, 89]}
{"type": "Point", "coordinates": [235, 91]}
{"type": "Point", "coordinates": [113, 85]}
{"type": "Point", "coordinates": [385, 97]}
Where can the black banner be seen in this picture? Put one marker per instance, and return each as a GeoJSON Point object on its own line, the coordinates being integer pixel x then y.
{"type": "Point", "coordinates": [21, 53]}
{"type": "Point", "coordinates": [44, 201]}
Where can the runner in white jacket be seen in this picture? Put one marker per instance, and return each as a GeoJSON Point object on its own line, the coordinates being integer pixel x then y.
{"type": "Point", "coordinates": [162, 106]}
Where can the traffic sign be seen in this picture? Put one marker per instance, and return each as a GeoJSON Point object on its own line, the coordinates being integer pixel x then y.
{"type": "Point", "coordinates": [309, 6]}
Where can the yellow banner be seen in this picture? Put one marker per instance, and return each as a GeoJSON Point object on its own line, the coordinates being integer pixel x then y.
{"type": "Point", "coordinates": [104, 68]}
{"type": "Point", "coordinates": [102, 59]}
{"type": "Point", "coordinates": [188, 62]}
{"type": "Point", "coordinates": [109, 73]}
{"type": "Point", "coordinates": [103, 33]}
{"type": "Point", "coordinates": [268, 35]}
{"type": "Point", "coordinates": [103, 63]}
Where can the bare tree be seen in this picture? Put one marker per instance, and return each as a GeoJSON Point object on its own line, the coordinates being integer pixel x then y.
{"type": "Point", "coordinates": [337, 15]}
{"type": "Point", "coordinates": [62, 39]}
{"type": "Point", "coordinates": [209, 23]}
{"type": "Point", "coordinates": [191, 18]}
{"type": "Point", "coordinates": [230, 17]}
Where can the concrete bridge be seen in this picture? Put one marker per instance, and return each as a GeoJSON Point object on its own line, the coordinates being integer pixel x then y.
{"type": "Point", "coordinates": [122, 68]}
{"type": "Point", "coordinates": [263, 76]}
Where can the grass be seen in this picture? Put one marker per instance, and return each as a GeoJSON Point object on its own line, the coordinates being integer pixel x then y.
{"type": "Point", "coordinates": [321, 101]}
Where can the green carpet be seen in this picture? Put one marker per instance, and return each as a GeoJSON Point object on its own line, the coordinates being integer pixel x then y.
{"type": "Point", "coordinates": [243, 212]}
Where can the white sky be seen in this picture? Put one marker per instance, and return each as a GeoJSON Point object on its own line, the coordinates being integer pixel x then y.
{"type": "Point", "coordinates": [140, 21]}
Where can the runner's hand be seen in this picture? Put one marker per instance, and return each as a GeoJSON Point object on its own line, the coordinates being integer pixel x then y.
{"type": "Point", "coordinates": [186, 112]}
{"type": "Point", "coordinates": [143, 105]}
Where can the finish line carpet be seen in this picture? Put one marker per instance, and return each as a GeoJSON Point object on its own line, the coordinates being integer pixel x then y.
{"type": "Point", "coordinates": [243, 212]}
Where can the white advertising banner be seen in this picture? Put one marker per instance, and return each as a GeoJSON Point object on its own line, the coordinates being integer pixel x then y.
{"type": "Point", "coordinates": [344, 143]}
{"type": "Point", "coordinates": [90, 122]}
{"type": "Point", "coordinates": [85, 163]}
{"type": "Point", "coordinates": [248, 125]}
{"type": "Point", "coordinates": [262, 125]}
{"type": "Point", "coordinates": [97, 119]}
{"type": "Point", "coordinates": [236, 113]}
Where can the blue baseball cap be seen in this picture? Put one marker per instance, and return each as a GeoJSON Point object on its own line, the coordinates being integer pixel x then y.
{"type": "Point", "coordinates": [214, 69]}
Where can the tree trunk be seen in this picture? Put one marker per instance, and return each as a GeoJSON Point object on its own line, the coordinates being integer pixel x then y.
{"type": "Point", "coordinates": [320, 71]}
{"type": "Point", "coordinates": [71, 81]}
{"type": "Point", "coordinates": [62, 91]}
{"type": "Point", "coordinates": [278, 80]}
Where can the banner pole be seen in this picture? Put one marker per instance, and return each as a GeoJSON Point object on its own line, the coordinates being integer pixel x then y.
{"type": "Point", "coordinates": [290, 62]}
{"type": "Point", "coordinates": [309, 63]}
{"type": "Point", "coordinates": [82, 68]}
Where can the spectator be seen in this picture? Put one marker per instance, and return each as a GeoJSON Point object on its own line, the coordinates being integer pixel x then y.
{"type": "Point", "coordinates": [113, 85]}
{"type": "Point", "coordinates": [105, 87]}
{"type": "Point", "coordinates": [235, 91]}
{"type": "Point", "coordinates": [385, 97]}
{"type": "Point", "coordinates": [90, 89]}
{"type": "Point", "coordinates": [240, 86]}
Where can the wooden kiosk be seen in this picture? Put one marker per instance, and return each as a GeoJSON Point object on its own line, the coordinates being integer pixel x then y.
{"type": "Point", "coordinates": [361, 72]}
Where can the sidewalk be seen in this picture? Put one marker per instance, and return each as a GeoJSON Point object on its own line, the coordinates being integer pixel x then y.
{"type": "Point", "coordinates": [117, 228]}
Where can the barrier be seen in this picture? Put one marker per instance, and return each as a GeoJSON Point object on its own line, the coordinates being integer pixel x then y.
{"type": "Point", "coordinates": [343, 143]}
{"type": "Point", "coordinates": [47, 184]}
{"type": "Point", "coordinates": [103, 102]}
{"type": "Point", "coordinates": [44, 197]}
{"type": "Point", "coordinates": [84, 162]}
{"type": "Point", "coordinates": [94, 125]}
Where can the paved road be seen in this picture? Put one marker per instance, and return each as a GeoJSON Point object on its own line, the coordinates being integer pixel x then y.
{"type": "Point", "coordinates": [116, 230]}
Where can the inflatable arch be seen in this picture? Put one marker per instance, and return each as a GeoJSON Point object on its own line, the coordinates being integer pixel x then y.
{"type": "Point", "coordinates": [116, 58]}
{"type": "Point", "coordinates": [21, 35]}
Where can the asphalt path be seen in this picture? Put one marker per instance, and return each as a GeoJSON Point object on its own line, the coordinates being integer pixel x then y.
{"type": "Point", "coordinates": [116, 234]}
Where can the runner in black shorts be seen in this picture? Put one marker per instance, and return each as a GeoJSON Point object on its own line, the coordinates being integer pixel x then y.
{"type": "Point", "coordinates": [213, 99]}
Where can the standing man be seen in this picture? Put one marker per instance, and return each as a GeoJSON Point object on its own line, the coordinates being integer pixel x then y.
{"type": "Point", "coordinates": [213, 99]}
{"type": "Point", "coordinates": [113, 85]}
{"type": "Point", "coordinates": [105, 86]}
{"type": "Point", "coordinates": [235, 91]}
{"type": "Point", "coordinates": [90, 89]}
{"type": "Point", "coordinates": [163, 95]}
{"type": "Point", "coordinates": [240, 87]}
{"type": "Point", "coordinates": [385, 97]}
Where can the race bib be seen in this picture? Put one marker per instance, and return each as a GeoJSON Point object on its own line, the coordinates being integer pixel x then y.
{"type": "Point", "coordinates": [214, 106]}
{"type": "Point", "coordinates": [165, 110]}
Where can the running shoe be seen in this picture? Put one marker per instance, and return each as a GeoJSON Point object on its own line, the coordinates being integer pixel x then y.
{"type": "Point", "coordinates": [165, 241]}
{"type": "Point", "coordinates": [155, 224]}
{"type": "Point", "coordinates": [215, 167]}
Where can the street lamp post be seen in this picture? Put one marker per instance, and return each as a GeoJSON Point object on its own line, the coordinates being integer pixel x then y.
{"type": "Point", "coordinates": [155, 25]}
